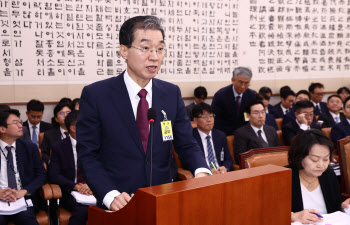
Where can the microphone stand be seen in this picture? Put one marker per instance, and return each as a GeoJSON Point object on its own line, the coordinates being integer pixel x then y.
{"type": "Point", "coordinates": [151, 132]}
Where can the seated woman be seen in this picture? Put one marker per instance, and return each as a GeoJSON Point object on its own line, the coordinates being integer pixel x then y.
{"type": "Point", "coordinates": [315, 188]}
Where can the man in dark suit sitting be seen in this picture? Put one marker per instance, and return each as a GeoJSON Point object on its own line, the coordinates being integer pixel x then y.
{"type": "Point", "coordinates": [63, 171]}
{"type": "Point", "coordinates": [302, 95]}
{"type": "Point", "coordinates": [304, 113]}
{"type": "Point", "coordinates": [21, 171]}
{"type": "Point", "coordinates": [229, 102]}
{"type": "Point", "coordinates": [255, 134]}
{"type": "Point", "coordinates": [287, 101]}
{"type": "Point", "coordinates": [317, 92]}
{"type": "Point", "coordinates": [200, 94]}
{"type": "Point", "coordinates": [35, 111]}
{"type": "Point", "coordinates": [212, 141]}
{"type": "Point", "coordinates": [332, 115]}
{"type": "Point", "coordinates": [342, 129]}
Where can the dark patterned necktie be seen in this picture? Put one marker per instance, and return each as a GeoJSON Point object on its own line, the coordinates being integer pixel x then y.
{"type": "Point", "coordinates": [141, 118]}
{"type": "Point", "coordinates": [11, 178]}
{"type": "Point", "coordinates": [262, 141]}
{"type": "Point", "coordinates": [211, 158]}
{"type": "Point", "coordinates": [35, 136]}
{"type": "Point", "coordinates": [238, 104]}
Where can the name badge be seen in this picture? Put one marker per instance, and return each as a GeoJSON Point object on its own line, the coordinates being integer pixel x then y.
{"type": "Point", "coordinates": [167, 131]}
{"type": "Point", "coordinates": [245, 117]}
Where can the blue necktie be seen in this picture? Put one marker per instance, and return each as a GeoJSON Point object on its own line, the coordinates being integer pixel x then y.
{"type": "Point", "coordinates": [34, 136]}
{"type": "Point", "coordinates": [211, 158]}
{"type": "Point", "coordinates": [336, 119]}
{"type": "Point", "coordinates": [11, 178]}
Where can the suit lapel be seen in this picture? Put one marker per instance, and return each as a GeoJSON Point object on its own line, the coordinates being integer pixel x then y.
{"type": "Point", "coordinates": [268, 136]}
{"type": "Point", "coordinates": [68, 152]}
{"type": "Point", "coordinates": [253, 135]}
{"type": "Point", "coordinates": [217, 146]}
{"type": "Point", "coordinates": [20, 155]}
{"type": "Point", "coordinates": [198, 138]}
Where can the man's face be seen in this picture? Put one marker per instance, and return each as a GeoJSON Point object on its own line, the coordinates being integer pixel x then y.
{"type": "Point", "coordinates": [199, 100]}
{"type": "Point", "coordinates": [344, 94]}
{"type": "Point", "coordinates": [266, 103]}
{"type": "Point", "coordinates": [334, 104]}
{"type": "Point", "coordinates": [61, 115]}
{"type": "Point", "coordinates": [309, 114]}
{"type": "Point", "coordinates": [241, 84]}
{"type": "Point", "coordinates": [143, 66]}
{"type": "Point", "coordinates": [205, 122]}
{"type": "Point", "coordinates": [302, 97]}
{"type": "Point", "coordinates": [14, 127]}
{"type": "Point", "coordinates": [34, 117]}
{"type": "Point", "coordinates": [257, 115]}
{"type": "Point", "coordinates": [317, 95]}
{"type": "Point", "coordinates": [346, 110]}
{"type": "Point", "coordinates": [288, 102]}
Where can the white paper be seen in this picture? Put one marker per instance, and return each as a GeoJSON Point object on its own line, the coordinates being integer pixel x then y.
{"type": "Point", "coordinates": [336, 218]}
{"type": "Point", "coordinates": [84, 199]}
{"type": "Point", "coordinates": [14, 207]}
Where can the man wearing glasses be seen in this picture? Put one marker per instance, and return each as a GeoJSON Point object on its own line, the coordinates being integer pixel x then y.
{"type": "Point", "coordinates": [212, 141]}
{"type": "Point", "coordinates": [113, 143]}
{"type": "Point", "coordinates": [35, 111]}
{"type": "Point", "coordinates": [229, 102]}
{"type": "Point", "coordinates": [21, 170]}
{"type": "Point", "coordinates": [317, 92]}
{"type": "Point", "coordinates": [255, 134]}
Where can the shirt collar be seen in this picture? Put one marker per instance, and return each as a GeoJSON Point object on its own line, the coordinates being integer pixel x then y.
{"type": "Point", "coordinates": [133, 88]}
{"type": "Point", "coordinates": [31, 125]}
{"type": "Point", "coordinates": [315, 104]}
{"type": "Point", "coordinates": [235, 92]}
{"type": "Point", "coordinates": [284, 109]}
{"type": "Point", "coordinates": [4, 144]}
{"type": "Point", "coordinates": [74, 142]}
{"type": "Point", "coordinates": [62, 132]}
{"type": "Point", "coordinates": [333, 115]}
{"type": "Point", "coordinates": [256, 129]}
{"type": "Point", "coordinates": [204, 135]}
{"type": "Point", "coordinates": [348, 120]}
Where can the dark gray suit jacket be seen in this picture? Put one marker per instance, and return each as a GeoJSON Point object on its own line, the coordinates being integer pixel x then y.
{"type": "Point", "coordinates": [189, 110]}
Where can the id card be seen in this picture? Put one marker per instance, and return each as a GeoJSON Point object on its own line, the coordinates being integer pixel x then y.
{"type": "Point", "coordinates": [167, 131]}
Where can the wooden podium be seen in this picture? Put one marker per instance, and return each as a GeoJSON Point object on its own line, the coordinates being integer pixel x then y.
{"type": "Point", "coordinates": [257, 196]}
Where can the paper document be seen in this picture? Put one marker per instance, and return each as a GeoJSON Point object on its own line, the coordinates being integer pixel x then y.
{"type": "Point", "coordinates": [336, 218]}
{"type": "Point", "coordinates": [84, 199]}
{"type": "Point", "coordinates": [14, 207]}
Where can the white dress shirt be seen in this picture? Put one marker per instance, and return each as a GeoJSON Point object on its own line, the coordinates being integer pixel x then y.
{"type": "Point", "coordinates": [303, 126]}
{"type": "Point", "coordinates": [31, 130]}
{"type": "Point", "coordinates": [317, 104]}
{"type": "Point", "coordinates": [335, 115]}
{"type": "Point", "coordinates": [284, 109]}
{"type": "Point", "coordinates": [74, 147]}
{"type": "Point", "coordinates": [3, 169]}
{"type": "Point", "coordinates": [236, 94]}
{"type": "Point", "coordinates": [263, 135]}
{"type": "Point", "coordinates": [205, 147]}
{"type": "Point", "coordinates": [133, 89]}
{"type": "Point", "coordinates": [63, 135]}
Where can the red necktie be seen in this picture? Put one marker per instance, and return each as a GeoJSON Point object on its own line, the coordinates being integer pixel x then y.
{"type": "Point", "coordinates": [238, 104]}
{"type": "Point", "coordinates": [80, 179]}
{"type": "Point", "coordinates": [141, 118]}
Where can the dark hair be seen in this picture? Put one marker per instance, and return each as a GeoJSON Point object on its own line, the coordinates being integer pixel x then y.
{"type": "Point", "coordinates": [302, 105]}
{"type": "Point", "coordinates": [303, 142]}
{"type": "Point", "coordinates": [75, 101]}
{"type": "Point", "coordinates": [331, 96]}
{"type": "Point", "coordinates": [282, 89]}
{"type": "Point", "coordinates": [251, 103]}
{"type": "Point", "coordinates": [127, 30]}
{"type": "Point", "coordinates": [199, 108]}
{"type": "Point", "coordinates": [340, 90]}
{"type": "Point", "coordinates": [65, 101]}
{"type": "Point", "coordinates": [265, 90]}
{"type": "Point", "coordinates": [35, 105]}
{"type": "Point", "coordinates": [305, 92]}
{"type": "Point", "coordinates": [262, 96]}
{"type": "Point", "coordinates": [345, 101]}
{"type": "Point", "coordinates": [4, 107]}
{"type": "Point", "coordinates": [315, 85]}
{"type": "Point", "coordinates": [58, 108]}
{"type": "Point", "coordinates": [71, 119]}
{"type": "Point", "coordinates": [4, 115]}
{"type": "Point", "coordinates": [286, 93]}
{"type": "Point", "coordinates": [200, 91]}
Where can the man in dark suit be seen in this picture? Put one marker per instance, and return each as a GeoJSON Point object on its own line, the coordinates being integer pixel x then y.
{"type": "Point", "coordinates": [255, 134]}
{"type": "Point", "coordinates": [332, 115]}
{"type": "Point", "coordinates": [63, 171]}
{"type": "Point", "coordinates": [304, 113]}
{"type": "Point", "coordinates": [57, 132]}
{"type": "Point", "coordinates": [270, 119]}
{"type": "Point", "coordinates": [229, 102]}
{"type": "Point", "coordinates": [200, 94]}
{"type": "Point", "coordinates": [302, 95]}
{"type": "Point", "coordinates": [113, 149]}
{"type": "Point", "coordinates": [316, 91]}
{"type": "Point", "coordinates": [35, 111]}
{"type": "Point", "coordinates": [342, 129]}
{"type": "Point", "coordinates": [266, 91]}
{"type": "Point", "coordinates": [212, 141]}
{"type": "Point", "coordinates": [287, 101]}
{"type": "Point", "coordinates": [21, 170]}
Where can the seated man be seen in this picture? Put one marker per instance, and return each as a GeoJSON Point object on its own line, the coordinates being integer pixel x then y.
{"type": "Point", "coordinates": [270, 119]}
{"type": "Point", "coordinates": [342, 129]}
{"type": "Point", "coordinates": [316, 91]}
{"type": "Point", "coordinates": [35, 111]}
{"type": "Point", "coordinates": [22, 171]}
{"type": "Point", "coordinates": [302, 95]}
{"type": "Point", "coordinates": [333, 114]}
{"type": "Point", "coordinates": [304, 113]}
{"type": "Point", "coordinates": [287, 100]}
{"type": "Point", "coordinates": [343, 93]}
{"type": "Point", "coordinates": [64, 172]}
{"type": "Point", "coordinates": [267, 92]}
{"type": "Point", "coordinates": [200, 94]}
{"type": "Point", "coordinates": [212, 141]}
{"type": "Point", "coordinates": [255, 134]}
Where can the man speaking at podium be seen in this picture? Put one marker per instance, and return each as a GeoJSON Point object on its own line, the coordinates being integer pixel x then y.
{"type": "Point", "coordinates": [114, 149]}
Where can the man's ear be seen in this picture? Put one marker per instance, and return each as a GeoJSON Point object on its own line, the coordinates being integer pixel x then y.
{"type": "Point", "coordinates": [2, 129]}
{"type": "Point", "coordinates": [73, 129]}
{"type": "Point", "coordinates": [124, 51]}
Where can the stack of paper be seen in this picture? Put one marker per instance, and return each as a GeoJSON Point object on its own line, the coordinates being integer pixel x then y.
{"type": "Point", "coordinates": [84, 199]}
{"type": "Point", "coordinates": [14, 207]}
{"type": "Point", "coordinates": [336, 218]}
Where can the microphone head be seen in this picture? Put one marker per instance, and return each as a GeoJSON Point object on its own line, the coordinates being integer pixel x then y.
{"type": "Point", "coordinates": [152, 114]}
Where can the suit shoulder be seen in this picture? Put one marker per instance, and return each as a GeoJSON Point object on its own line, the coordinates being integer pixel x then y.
{"type": "Point", "coordinates": [102, 84]}
{"type": "Point", "coordinates": [242, 130]}
{"type": "Point", "coordinates": [224, 90]}
{"type": "Point", "coordinates": [27, 145]}
{"type": "Point", "coordinates": [250, 92]}
{"type": "Point", "coordinates": [219, 132]}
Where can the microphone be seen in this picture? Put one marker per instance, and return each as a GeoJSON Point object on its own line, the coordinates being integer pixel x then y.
{"type": "Point", "coordinates": [152, 115]}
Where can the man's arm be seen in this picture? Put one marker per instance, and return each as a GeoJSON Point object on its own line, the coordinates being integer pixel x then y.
{"type": "Point", "coordinates": [337, 133]}
{"type": "Point", "coordinates": [240, 144]}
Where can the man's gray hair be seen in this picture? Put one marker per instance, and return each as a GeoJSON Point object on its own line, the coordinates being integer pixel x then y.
{"type": "Point", "coordinates": [242, 71]}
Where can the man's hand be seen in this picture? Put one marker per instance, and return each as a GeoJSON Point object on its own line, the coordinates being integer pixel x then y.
{"type": "Point", "coordinates": [345, 204]}
{"type": "Point", "coordinates": [21, 193]}
{"type": "Point", "coordinates": [215, 171]}
{"type": "Point", "coordinates": [8, 194]}
{"type": "Point", "coordinates": [201, 174]}
{"type": "Point", "coordinates": [222, 169]}
{"type": "Point", "coordinates": [120, 201]}
{"type": "Point", "coordinates": [302, 119]}
{"type": "Point", "coordinates": [83, 189]}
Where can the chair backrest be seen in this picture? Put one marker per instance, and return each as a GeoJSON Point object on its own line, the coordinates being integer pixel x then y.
{"type": "Point", "coordinates": [343, 146]}
{"type": "Point", "coordinates": [327, 132]}
{"type": "Point", "coordinates": [41, 137]}
{"type": "Point", "coordinates": [264, 156]}
{"type": "Point", "coordinates": [230, 145]}
{"type": "Point", "coordinates": [280, 137]}
{"type": "Point", "coordinates": [279, 122]}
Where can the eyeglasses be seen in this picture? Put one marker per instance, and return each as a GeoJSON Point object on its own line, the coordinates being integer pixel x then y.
{"type": "Point", "coordinates": [257, 113]}
{"type": "Point", "coordinates": [63, 113]}
{"type": "Point", "coordinates": [16, 122]}
{"type": "Point", "coordinates": [148, 51]}
{"type": "Point", "coordinates": [207, 116]}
